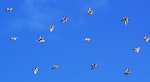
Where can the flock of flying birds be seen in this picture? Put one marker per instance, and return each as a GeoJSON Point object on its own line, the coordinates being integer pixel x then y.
{"type": "Point", "coordinates": [65, 19]}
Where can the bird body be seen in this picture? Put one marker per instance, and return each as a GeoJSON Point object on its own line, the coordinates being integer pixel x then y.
{"type": "Point", "coordinates": [9, 9]}
{"type": "Point", "coordinates": [35, 70]}
{"type": "Point", "coordinates": [87, 39]}
{"type": "Point", "coordinates": [127, 72]}
{"type": "Point", "coordinates": [55, 67]}
{"type": "Point", "coordinates": [90, 11]}
{"type": "Point", "coordinates": [41, 39]}
{"type": "Point", "coordinates": [146, 38]}
{"type": "Point", "coordinates": [14, 38]}
{"type": "Point", "coordinates": [93, 66]}
{"type": "Point", "coordinates": [64, 19]}
{"type": "Point", "coordinates": [51, 28]}
{"type": "Point", "coordinates": [137, 49]}
{"type": "Point", "coordinates": [125, 20]}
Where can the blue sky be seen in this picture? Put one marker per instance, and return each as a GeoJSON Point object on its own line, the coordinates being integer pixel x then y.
{"type": "Point", "coordinates": [111, 43]}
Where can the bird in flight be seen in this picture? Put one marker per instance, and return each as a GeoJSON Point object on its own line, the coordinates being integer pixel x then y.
{"type": "Point", "coordinates": [35, 70]}
{"type": "Point", "coordinates": [90, 11]}
{"type": "Point", "coordinates": [87, 39]}
{"type": "Point", "coordinates": [51, 28]}
{"type": "Point", "coordinates": [55, 67]}
{"type": "Point", "coordinates": [93, 66]}
{"type": "Point", "coordinates": [127, 72]}
{"type": "Point", "coordinates": [9, 9]}
{"type": "Point", "coordinates": [14, 38]}
{"type": "Point", "coordinates": [137, 49]}
{"type": "Point", "coordinates": [41, 39]}
{"type": "Point", "coordinates": [64, 19]}
{"type": "Point", "coordinates": [125, 20]}
{"type": "Point", "coordinates": [146, 38]}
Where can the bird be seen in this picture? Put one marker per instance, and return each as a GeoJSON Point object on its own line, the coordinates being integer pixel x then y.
{"type": "Point", "coordinates": [9, 9]}
{"type": "Point", "coordinates": [41, 39]}
{"type": "Point", "coordinates": [127, 72]}
{"type": "Point", "coordinates": [90, 11]}
{"type": "Point", "coordinates": [137, 49]}
{"type": "Point", "coordinates": [125, 20]}
{"type": "Point", "coordinates": [93, 66]}
{"type": "Point", "coordinates": [87, 39]}
{"type": "Point", "coordinates": [64, 19]}
{"type": "Point", "coordinates": [35, 70]}
{"type": "Point", "coordinates": [13, 38]}
{"type": "Point", "coordinates": [146, 38]}
{"type": "Point", "coordinates": [51, 28]}
{"type": "Point", "coordinates": [55, 67]}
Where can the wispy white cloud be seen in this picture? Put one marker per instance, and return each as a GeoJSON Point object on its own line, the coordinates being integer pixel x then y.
{"type": "Point", "coordinates": [36, 15]}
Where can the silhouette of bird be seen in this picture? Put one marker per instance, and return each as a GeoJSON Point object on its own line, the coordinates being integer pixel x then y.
{"type": "Point", "coordinates": [90, 11]}
{"type": "Point", "coordinates": [35, 70]}
{"type": "Point", "coordinates": [93, 66]}
{"type": "Point", "coordinates": [137, 49]}
{"type": "Point", "coordinates": [125, 20]}
{"type": "Point", "coordinates": [51, 28]}
{"type": "Point", "coordinates": [146, 38]}
{"type": "Point", "coordinates": [41, 39]}
{"type": "Point", "coordinates": [14, 38]}
{"type": "Point", "coordinates": [87, 39]}
{"type": "Point", "coordinates": [55, 67]}
{"type": "Point", "coordinates": [127, 72]}
{"type": "Point", "coordinates": [64, 19]}
{"type": "Point", "coordinates": [9, 9]}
